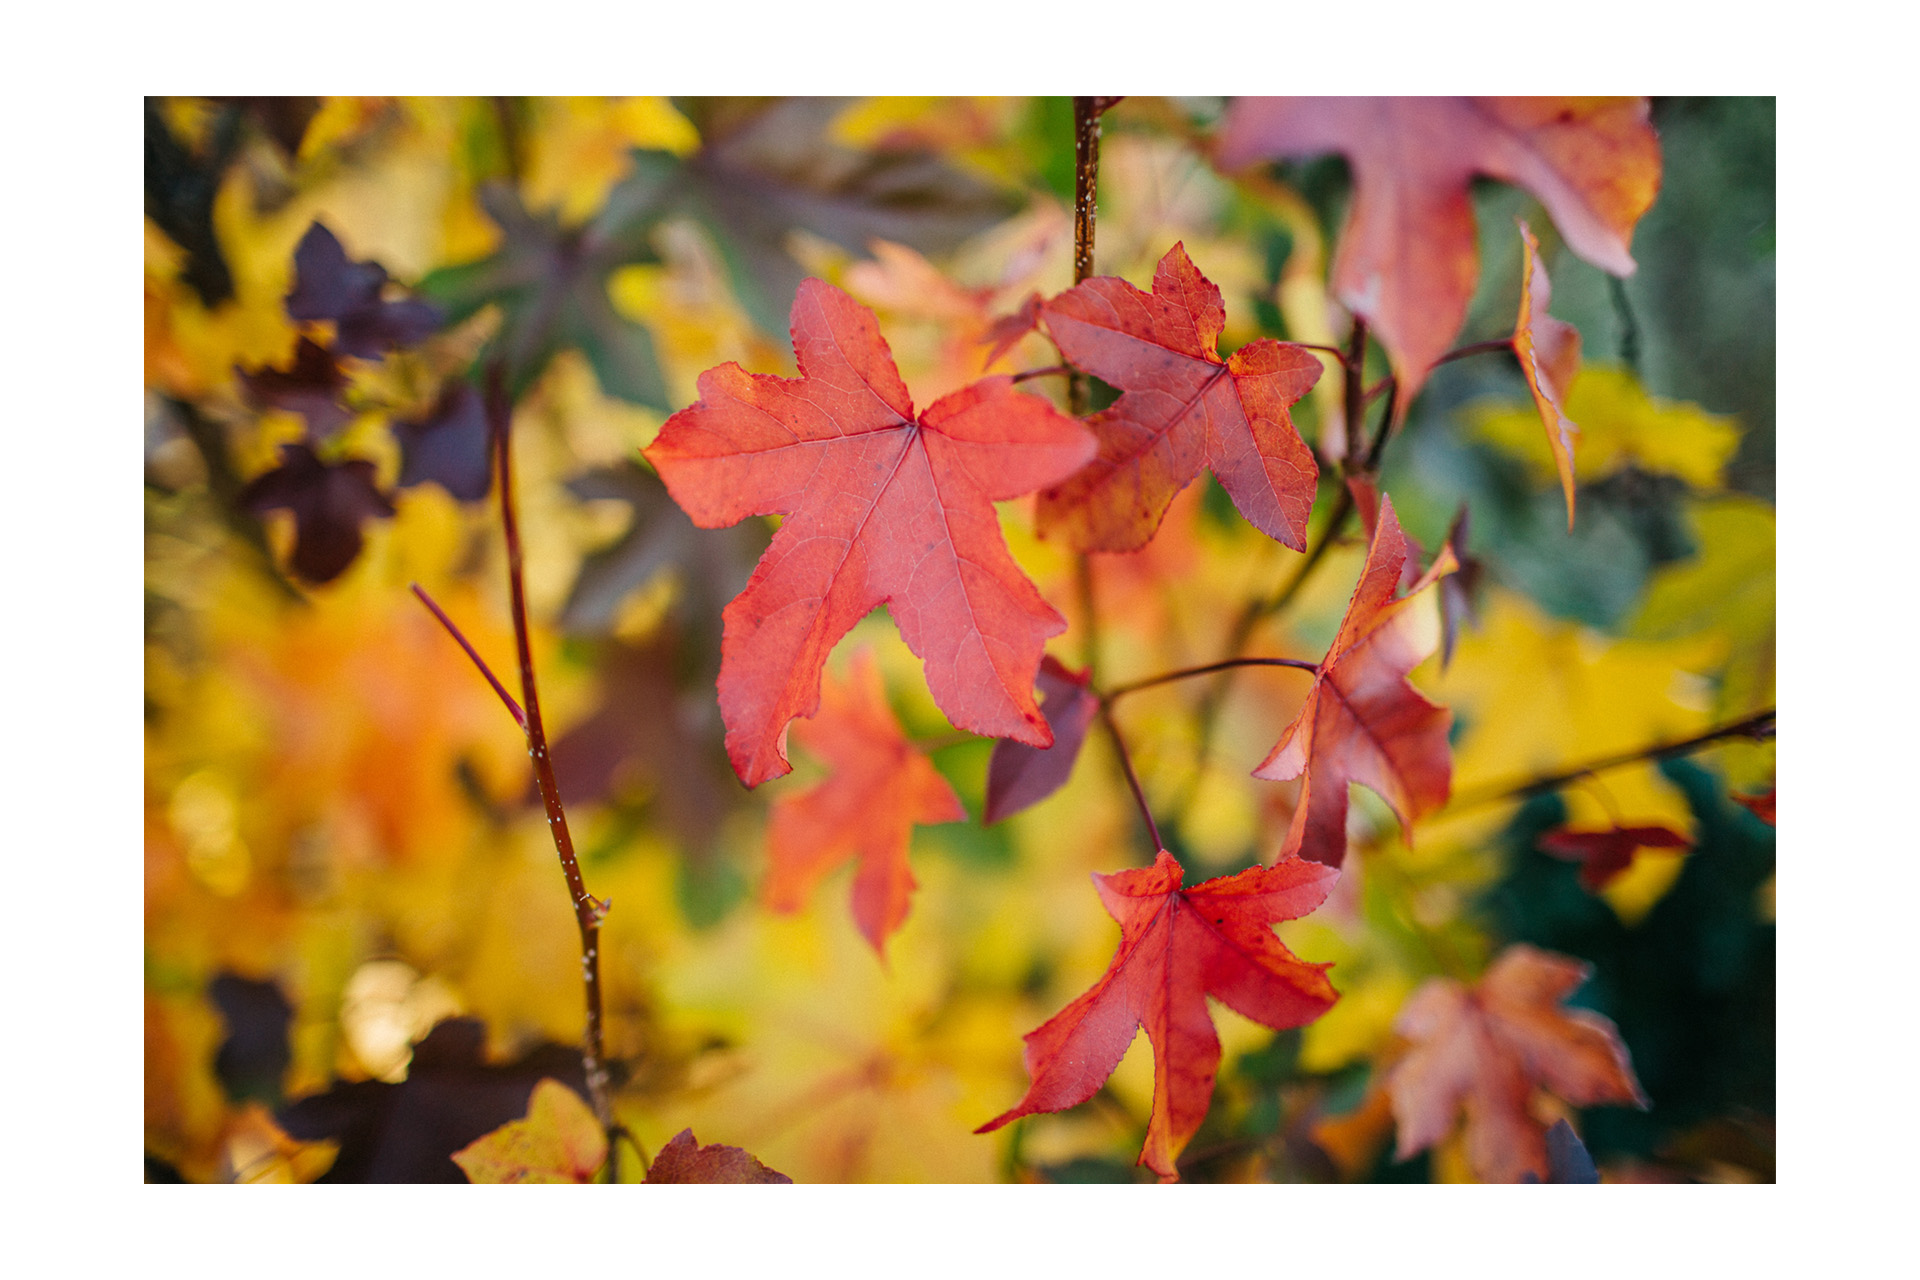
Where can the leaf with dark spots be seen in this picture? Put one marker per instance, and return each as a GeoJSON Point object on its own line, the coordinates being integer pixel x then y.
{"type": "Point", "coordinates": [408, 1132]}
{"type": "Point", "coordinates": [329, 502]}
{"type": "Point", "coordinates": [1020, 776]}
{"type": "Point", "coordinates": [550, 283]}
{"type": "Point", "coordinates": [255, 1055]}
{"type": "Point", "coordinates": [1603, 855]}
{"type": "Point", "coordinates": [884, 506]}
{"type": "Point", "coordinates": [311, 387]}
{"type": "Point", "coordinates": [1184, 408]}
{"type": "Point", "coordinates": [683, 1159]}
{"type": "Point", "coordinates": [1177, 948]}
{"type": "Point", "coordinates": [767, 168]}
{"type": "Point", "coordinates": [449, 445]}
{"type": "Point", "coordinates": [328, 285]}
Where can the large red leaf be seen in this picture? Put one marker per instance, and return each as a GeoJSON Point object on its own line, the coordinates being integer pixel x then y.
{"type": "Point", "coordinates": [1362, 722]}
{"type": "Point", "coordinates": [1486, 1049]}
{"type": "Point", "coordinates": [1184, 408]}
{"type": "Point", "coordinates": [882, 507]}
{"type": "Point", "coordinates": [1408, 261]}
{"type": "Point", "coordinates": [880, 787]}
{"type": "Point", "coordinates": [1177, 947]}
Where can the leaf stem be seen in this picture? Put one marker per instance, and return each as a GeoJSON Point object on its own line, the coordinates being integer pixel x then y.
{"type": "Point", "coordinates": [1047, 372]}
{"type": "Point", "coordinates": [1477, 349]}
{"type": "Point", "coordinates": [1757, 726]}
{"type": "Point", "coordinates": [588, 911]}
{"type": "Point", "coordinates": [1355, 360]}
{"type": "Point", "coordinates": [1133, 779]}
{"type": "Point", "coordinates": [513, 708]}
{"type": "Point", "coordinates": [1186, 673]}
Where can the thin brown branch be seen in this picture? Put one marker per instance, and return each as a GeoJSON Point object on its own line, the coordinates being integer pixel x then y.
{"type": "Point", "coordinates": [1133, 779]}
{"type": "Point", "coordinates": [1758, 726]}
{"type": "Point", "coordinates": [588, 910]}
{"type": "Point", "coordinates": [1187, 673]}
{"type": "Point", "coordinates": [1477, 349]}
{"type": "Point", "coordinates": [1086, 180]}
{"type": "Point", "coordinates": [513, 708]}
{"type": "Point", "coordinates": [1047, 372]}
{"type": "Point", "coordinates": [1355, 400]}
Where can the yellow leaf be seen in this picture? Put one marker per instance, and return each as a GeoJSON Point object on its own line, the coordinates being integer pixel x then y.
{"type": "Point", "coordinates": [558, 1141]}
{"type": "Point", "coordinates": [1620, 424]}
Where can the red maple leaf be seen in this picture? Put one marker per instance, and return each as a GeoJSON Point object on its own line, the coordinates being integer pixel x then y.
{"type": "Point", "coordinates": [1184, 409]}
{"type": "Point", "coordinates": [1485, 1049]}
{"type": "Point", "coordinates": [1362, 722]}
{"type": "Point", "coordinates": [1407, 261]}
{"type": "Point", "coordinates": [881, 786]}
{"type": "Point", "coordinates": [1177, 947]}
{"type": "Point", "coordinates": [882, 507]}
{"type": "Point", "coordinates": [1603, 855]}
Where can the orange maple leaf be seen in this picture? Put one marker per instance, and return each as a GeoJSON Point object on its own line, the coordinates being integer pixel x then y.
{"type": "Point", "coordinates": [1177, 947]}
{"type": "Point", "coordinates": [1362, 721]}
{"type": "Point", "coordinates": [1408, 262]}
{"type": "Point", "coordinates": [880, 787]}
{"type": "Point", "coordinates": [1485, 1049]}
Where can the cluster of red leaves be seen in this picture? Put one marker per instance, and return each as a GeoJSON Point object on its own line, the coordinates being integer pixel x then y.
{"type": "Point", "coordinates": [886, 506]}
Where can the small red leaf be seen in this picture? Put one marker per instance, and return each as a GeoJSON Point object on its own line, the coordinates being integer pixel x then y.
{"type": "Point", "coordinates": [1177, 947]}
{"type": "Point", "coordinates": [1603, 855]}
{"type": "Point", "coordinates": [881, 786]}
{"type": "Point", "coordinates": [882, 507]}
{"type": "Point", "coordinates": [1009, 329]}
{"type": "Point", "coordinates": [1184, 409]}
{"type": "Point", "coordinates": [1362, 722]}
{"type": "Point", "coordinates": [1018, 775]}
{"type": "Point", "coordinates": [683, 1159]}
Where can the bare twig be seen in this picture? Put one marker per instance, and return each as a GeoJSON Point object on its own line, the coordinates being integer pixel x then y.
{"type": "Point", "coordinates": [588, 911]}
{"type": "Point", "coordinates": [1758, 726]}
{"type": "Point", "coordinates": [1133, 779]}
{"type": "Point", "coordinates": [519, 717]}
{"type": "Point", "coordinates": [1187, 673]}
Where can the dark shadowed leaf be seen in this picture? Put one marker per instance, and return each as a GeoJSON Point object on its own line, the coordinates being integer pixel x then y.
{"type": "Point", "coordinates": [1019, 775]}
{"type": "Point", "coordinates": [1603, 855]}
{"type": "Point", "coordinates": [329, 502]}
{"type": "Point", "coordinates": [408, 1132]}
{"type": "Point", "coordinates": [449, 445]}
{"type": "Point", "coordinates": [180, 186]}
{"type": "Point", "coordinates": [550, 282]}
{"type": "Point", "coordinates": [768, 167]}
{"type": "Point", "coordinates": [328, 285]}
{"type": "Point", "coordinates": [255, 1055]}
{"type": "Point", "coordinates": [311, 387]}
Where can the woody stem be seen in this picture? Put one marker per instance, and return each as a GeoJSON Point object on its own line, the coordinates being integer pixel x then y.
{"type": "Point", "coordinates": [588, 911]}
